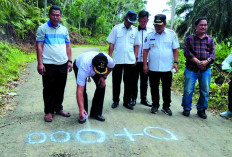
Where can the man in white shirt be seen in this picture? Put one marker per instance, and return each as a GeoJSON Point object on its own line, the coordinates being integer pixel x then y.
{"type": "Point", "coordinates": [162, 46]}
{"type": "Point", "coordinates": [123, 46]}
{"type": "Point", "coordinates": [98, 66]}
{"type": "Point", "coordinates": [228, 112]}
{"type": "Point", "coordinates": [142, 33]}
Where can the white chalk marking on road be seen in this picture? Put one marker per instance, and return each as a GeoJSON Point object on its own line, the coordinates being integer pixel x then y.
{"type": "Point", "coordinates": [101, 136]}
{"type": "Point", "coordinates": [66, 139]}
{"type": "Point", "coordinates": [39, 141]}
{"type": "Point", "coordinates": [172, 136]}
{"type": "Point", "coordinates": [129, 135]}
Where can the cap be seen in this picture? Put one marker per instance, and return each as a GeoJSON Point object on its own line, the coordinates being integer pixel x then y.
{"type": "Point", "coordinates": [159, 19]}
{"type": "Point", "coordinates": [100, 63]}
{"type": "Point", "coordinates": [131, 16]}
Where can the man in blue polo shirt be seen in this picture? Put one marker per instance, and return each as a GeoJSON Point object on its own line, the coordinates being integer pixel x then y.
{"type": "Point", "coordinates": [54, 60]}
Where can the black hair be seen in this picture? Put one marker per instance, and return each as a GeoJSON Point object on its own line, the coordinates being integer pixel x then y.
{"type": "Point", "coordinates": [200, 19]}
{"type": "Point", "coordinates": [54, 7]}
{"type": "Point", "coordinates": [143, 13]}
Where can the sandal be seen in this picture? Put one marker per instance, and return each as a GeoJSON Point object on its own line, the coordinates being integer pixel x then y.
{"type": "Point", "coordinates": [64, 113]}
{"type": "Point", "coordinates": [48, 117]}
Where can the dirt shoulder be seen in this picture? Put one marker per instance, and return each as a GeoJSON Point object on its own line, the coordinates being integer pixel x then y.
{"type": "Point", "coordinates": [124, 133]}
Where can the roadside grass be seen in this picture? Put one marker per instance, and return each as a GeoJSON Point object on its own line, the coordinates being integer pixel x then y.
{"type": "Point", "coordinates": [12, 63]}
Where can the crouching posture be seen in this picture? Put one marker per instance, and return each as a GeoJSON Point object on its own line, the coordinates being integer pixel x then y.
{"type": "Point", "coordinates": [96, 65]}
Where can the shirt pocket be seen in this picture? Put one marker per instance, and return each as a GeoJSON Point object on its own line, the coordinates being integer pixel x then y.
{"type": "Point", "coordinates": [132, 39]}
{"type": "Point", "coordinates": [152, 44]}
{"type": "Point", "coordinates": [168, 44]}
{"type": "Point", "coordinates": [119, 37]}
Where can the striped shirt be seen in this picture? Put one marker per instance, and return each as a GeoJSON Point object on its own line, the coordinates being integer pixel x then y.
{"type": "Point", "coordinates": [55, 40]}
{"type": "Point", "coordinates": [202, 49]}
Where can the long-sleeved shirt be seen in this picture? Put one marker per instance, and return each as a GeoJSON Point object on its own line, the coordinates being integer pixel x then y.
{"type": "Point", "coordinates": [202, 49]}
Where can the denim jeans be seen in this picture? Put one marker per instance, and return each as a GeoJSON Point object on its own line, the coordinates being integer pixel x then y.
{"type": "Point", "coordinates": [204, 79]}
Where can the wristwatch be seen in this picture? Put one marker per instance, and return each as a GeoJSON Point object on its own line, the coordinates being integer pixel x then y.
{"type": "Point", "coordinates": [209, 60]}
{"type": "Point", "coordinates": [176, 62]}
{"type": "Point", "coordinates": [70, 61]}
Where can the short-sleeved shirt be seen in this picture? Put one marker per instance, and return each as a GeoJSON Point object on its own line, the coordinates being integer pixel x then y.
{"type": "Point", "coordinates": [85, 67]}
{"type": "Point", "coordinates": [161, 48]}
{"type": "Point", "coordinates": [54, 39]}
{"type": "Point", "coordinates": [142, 35]}
{"type": "Point", "coordinates": [124, 41]}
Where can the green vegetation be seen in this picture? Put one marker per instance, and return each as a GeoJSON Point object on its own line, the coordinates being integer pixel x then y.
{"type": "Point", "coordinates": [12, 61]}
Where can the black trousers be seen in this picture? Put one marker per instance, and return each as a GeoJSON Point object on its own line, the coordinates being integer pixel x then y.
{"type": "Point", "coordinates": [230, 96]}
{"type": "Point", "coordinates": [128, 72]}
{"type": "Point", "coordinates": [166, 79]}
{"type": "Point", "coordinates": [143, 82]}
{"type": "Point", "coordinates": [98, 99]}
{"type": "Point", "coordinates": [54, 82]}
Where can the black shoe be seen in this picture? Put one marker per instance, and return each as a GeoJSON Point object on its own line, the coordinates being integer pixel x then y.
{"type": "Point", "coordinates": [146, 103]}
{"type": "Point", "coordinates": [154, 109]}
{"type": "Point", "coordinates": [133, 102]}
{"type": "Point", "coordinates": [128, 106]}
{"type": "Point", "coordinates": [167, 111]}
{"type": "Point", "coordinates": [98, 117]}
{"type": "Point", "coordinates": [202, 114]}
{"type": "Point", "coordinates": [81, 121]}
{"type": "Point", "coordinates": [186, 113]}
{"type": "Point", "coordinates": [114, 105]}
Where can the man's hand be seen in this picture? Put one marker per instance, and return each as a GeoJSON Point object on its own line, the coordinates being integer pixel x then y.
{"type": "Point", "coordinates": [69, 67]}
{"type": "Point", "coordinates": [81, 113]}
{"type": "Point", "coordinates": [145, 69]}
{"type": "Point", "coordinates": [101, 83]}
{"type": "Point", "coordinates": [41, 69]}
{"type": "Point", "coordinates": [202, 64]}
{"type": "Point", "coordinates": [175, 66]}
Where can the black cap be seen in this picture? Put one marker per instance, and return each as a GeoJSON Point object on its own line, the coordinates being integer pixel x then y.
{"type": "Point", "coordinates": [159, 19]}
{"type": "Point", "coordinates": [100, 63]}
{"type": "Point", "coordinates": [131, 16]}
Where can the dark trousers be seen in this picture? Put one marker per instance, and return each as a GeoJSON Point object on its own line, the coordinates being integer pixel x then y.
{"type": "Point", "coordinates": [166, 79]}
{"type": "Point", "coordinates": [143, 82]}
{"type": "Point", "coordinates": [230, 96]}
{"type": "Point", "coordinates": [98, 99]}
{"type": "Point", "coordinates": [128, 72]}
{"type": "Point", "coordinates": [54, 82]}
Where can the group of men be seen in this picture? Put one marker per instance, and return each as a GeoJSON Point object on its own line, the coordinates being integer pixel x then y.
{"type": "Point", "coordinates": [133, 52]}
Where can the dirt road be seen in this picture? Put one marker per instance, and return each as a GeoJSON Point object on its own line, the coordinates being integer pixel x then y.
{"type": "Point", "coordinates": [124, 133]}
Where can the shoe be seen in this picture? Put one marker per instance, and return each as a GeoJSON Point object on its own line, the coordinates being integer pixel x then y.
{"type": "Point", "coordinates": [114, 105]}
{"type": "Point", "coordinates": [186, 113]}
{"type": "Point", "coordinates": [226, 113]}
{"type": "Point", "coordinates": [167, 111]}
{"type": "Point", "coordinates": [202, 114]}
{"type": "Point", "coordinates": [146, 103]}
{"type": "Point", "coordinates": [154, 109]}
{"type": "Point", "coordinates": [64, 113]}
{"type": "Point", "coordinates": [81, 121]}
{"type": "Point", "coordinates": [128, 106]}
{"type": "Point", "coordinates": [133, 102]}
{"type": "Point", "coordinates": [48, 117]}
{"type": "Point", "coordinates": [98, 117]}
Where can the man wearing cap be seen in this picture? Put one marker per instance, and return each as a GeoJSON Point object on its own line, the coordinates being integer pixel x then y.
{"type": "Point", "coordinates": [142, 33]}
{"type": "Point", "coordinates": [54, 62]}
{"type": "Point", "coordinates": [123, 46]}
{"type": "Point", "coordinates": [96, 65]}
{"type": "Point", "coordinates": [162, 46]}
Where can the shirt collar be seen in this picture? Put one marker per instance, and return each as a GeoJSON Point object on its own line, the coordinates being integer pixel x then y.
{"type": "Point", "coordinates": [50, 25]}
{"type": "Point", "coordinates": [206, 36]}
{"type": "Point", "coordinates": [123, 26]}
{"type": "Point", "coordinates": [139, 28]}
{"type": "Point", "coordinates": [165, 31]}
